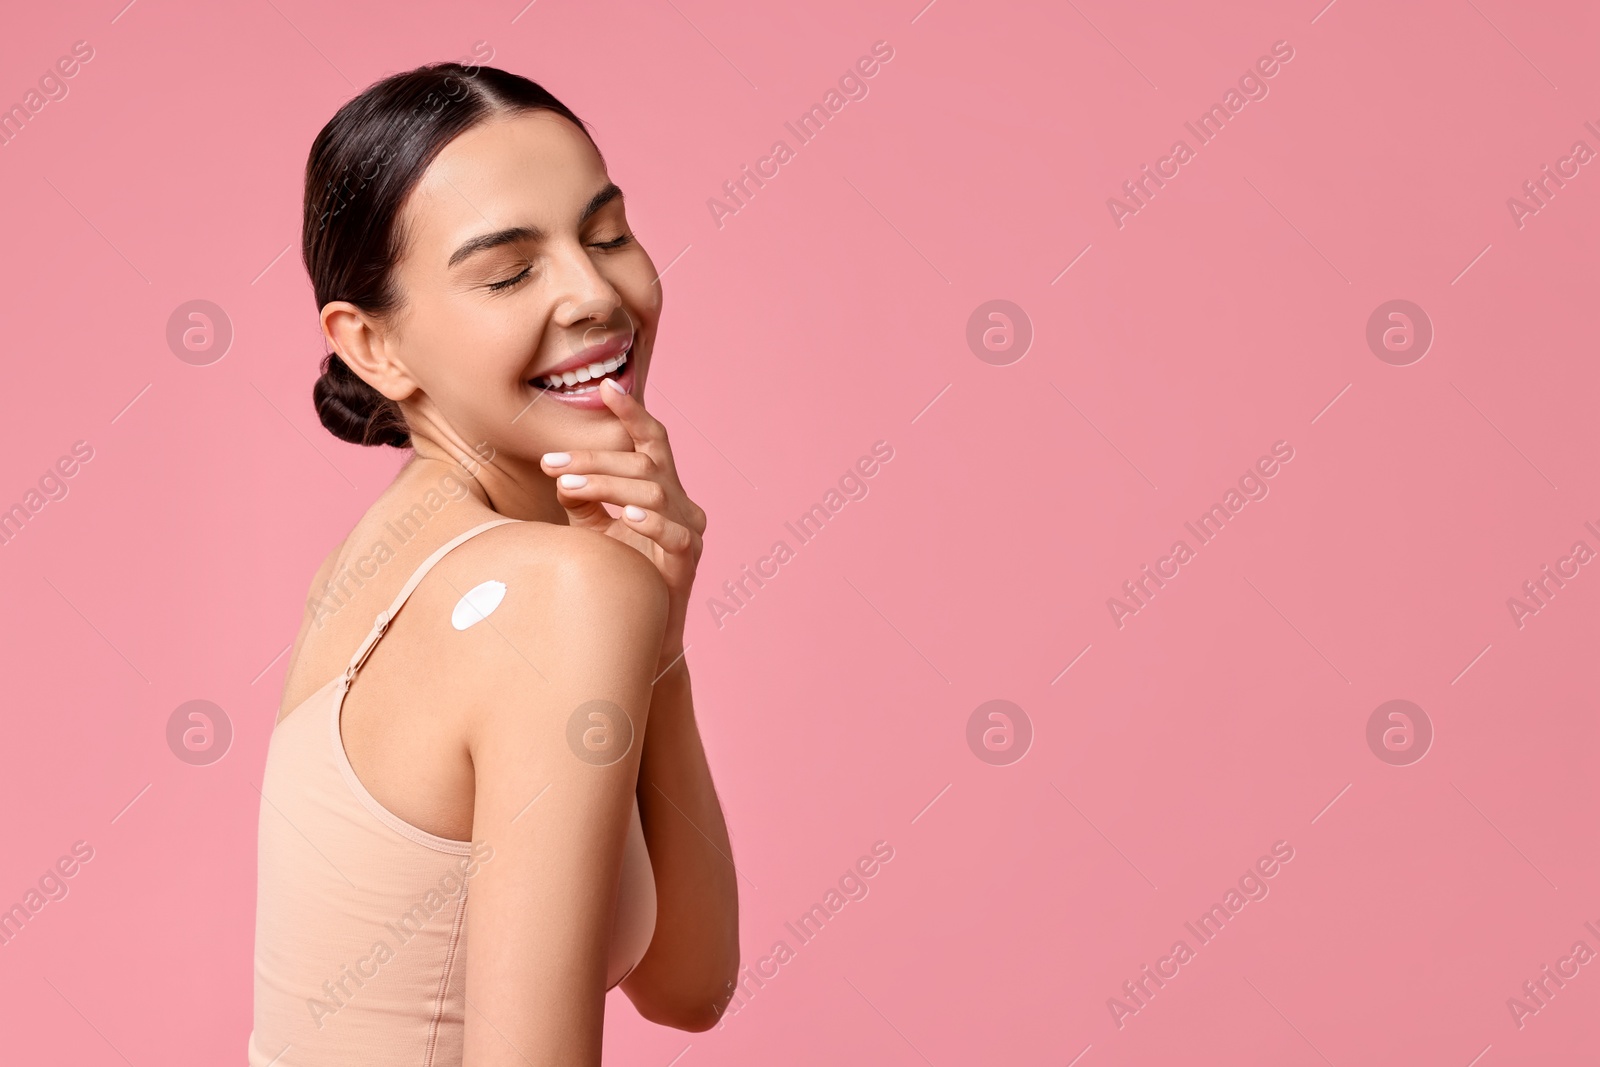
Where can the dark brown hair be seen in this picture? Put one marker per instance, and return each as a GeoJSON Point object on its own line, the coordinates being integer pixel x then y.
{"type": "Point", "coordinates": [363, 165]}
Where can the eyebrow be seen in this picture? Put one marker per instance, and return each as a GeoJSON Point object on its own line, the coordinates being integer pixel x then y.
{"type": "Point", "coordinates": [529, 233]}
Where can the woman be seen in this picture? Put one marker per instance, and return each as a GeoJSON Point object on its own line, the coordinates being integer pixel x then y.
{"type": "Point", "coordinates": [485, 801]}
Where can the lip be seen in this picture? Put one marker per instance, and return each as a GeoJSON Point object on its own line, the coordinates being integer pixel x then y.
{"type": "Point", "coordinates": [590, 401]}
{"type": "Point", "coordinates": [595, 354]}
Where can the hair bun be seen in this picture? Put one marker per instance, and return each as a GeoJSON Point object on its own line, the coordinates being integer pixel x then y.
{"type": "Point", "coordinates": [354, 411]}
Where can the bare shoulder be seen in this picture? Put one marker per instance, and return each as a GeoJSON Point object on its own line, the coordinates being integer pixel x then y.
{"type": "Point", "coordinates": [575, 603]}
{"type": "Point", "coordinates": [573, 566]}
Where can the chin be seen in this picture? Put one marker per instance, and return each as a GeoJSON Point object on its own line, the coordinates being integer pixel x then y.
{"type": "Point", "coordinates": [613, 438]}
{"type": "Point", "coordinates": [593, 432]}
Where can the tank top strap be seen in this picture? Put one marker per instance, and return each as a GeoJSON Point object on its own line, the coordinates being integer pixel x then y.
{"type": "Point", "coordinates": [387, 616]}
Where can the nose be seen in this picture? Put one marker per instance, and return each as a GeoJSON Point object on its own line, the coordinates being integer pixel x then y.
{"type": "Point", "coordinates": [583, 296]}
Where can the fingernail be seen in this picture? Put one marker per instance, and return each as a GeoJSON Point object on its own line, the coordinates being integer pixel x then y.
{"type": "Point", "coordinates": [612, 382]}
{"type": "Point", "coordinates": [633, 513]}
{"type": "Point", "coordinates": [573, 481]}
{"type": "Point", "coordinates": [556, 459]}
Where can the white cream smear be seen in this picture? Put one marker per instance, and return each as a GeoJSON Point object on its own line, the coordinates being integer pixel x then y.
{"type": "Point", "coordinates": [478, 604]}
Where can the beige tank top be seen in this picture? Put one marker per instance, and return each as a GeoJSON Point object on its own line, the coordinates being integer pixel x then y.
{"type": "Point", "coordinates": [361, 942]}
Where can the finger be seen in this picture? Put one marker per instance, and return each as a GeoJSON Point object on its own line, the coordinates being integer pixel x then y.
{"type": "Point", "coordinates": [649, 435]}
{"type": "Point", "coordinates": [640, 492]}
{"type": "Point", "coordinates": [583, 512]}
{"type": "Point", "coordinates": [598, 461]}
{"type": "Point", "coordinates": [672, 536]}
{"type": "Point", "coordinates": [678, 543]}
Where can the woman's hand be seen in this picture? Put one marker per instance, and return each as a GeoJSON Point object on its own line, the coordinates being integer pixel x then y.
{"type": "Point", "coordinates": [658, 518]}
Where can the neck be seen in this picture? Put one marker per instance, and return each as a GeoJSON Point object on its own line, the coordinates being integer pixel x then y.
{"type": "Point", "coordinates": [505, 485]}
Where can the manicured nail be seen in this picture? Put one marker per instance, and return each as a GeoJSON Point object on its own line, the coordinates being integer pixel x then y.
{"type": "Point", "coordinates": [573, 481]}
{"type": "Point", "coordinates": [633, 513]}
{"type": "Point", "coordinates": [556, 459]}
{"type": "Point", "coordinates": [612, 382]}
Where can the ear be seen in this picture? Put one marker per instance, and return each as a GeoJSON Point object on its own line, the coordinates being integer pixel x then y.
{"type": "Point", "coordinates": [365, 345]}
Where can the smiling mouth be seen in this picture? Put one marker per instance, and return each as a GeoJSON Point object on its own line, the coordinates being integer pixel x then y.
{"type": "Point", "coordinates": [584, 379]}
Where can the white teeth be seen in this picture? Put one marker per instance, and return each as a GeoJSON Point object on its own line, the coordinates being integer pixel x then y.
{"type": "Point", "coordinates": [566, 379]}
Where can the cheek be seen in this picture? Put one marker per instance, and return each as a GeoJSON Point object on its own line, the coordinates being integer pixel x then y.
{"type": "Point", "coordinates": [639, 288]}
{"type": "Point", "coordinates": [478, 354]}
{"type": "Point", "coordinates": [471, 353]}
{"type": "Point", "coordinates": [493, 336]}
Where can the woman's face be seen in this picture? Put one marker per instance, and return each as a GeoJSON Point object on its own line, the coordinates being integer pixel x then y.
{"type": "Point", "coordinates": [520, 265]}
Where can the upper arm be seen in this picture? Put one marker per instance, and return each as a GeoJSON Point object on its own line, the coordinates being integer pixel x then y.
{"type": "Point", "coordinates": [578, 632]}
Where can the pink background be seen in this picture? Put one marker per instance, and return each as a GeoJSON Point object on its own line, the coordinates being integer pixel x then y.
{"type": "Point", "coordinates": [1227, 314]}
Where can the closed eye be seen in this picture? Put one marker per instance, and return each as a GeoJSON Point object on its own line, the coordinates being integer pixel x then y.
{"type": "Point", "coordinates": [509, 282]}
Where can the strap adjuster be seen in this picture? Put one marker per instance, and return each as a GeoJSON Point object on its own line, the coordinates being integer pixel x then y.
{"type": "Point", "coordinates": [380, 624]}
